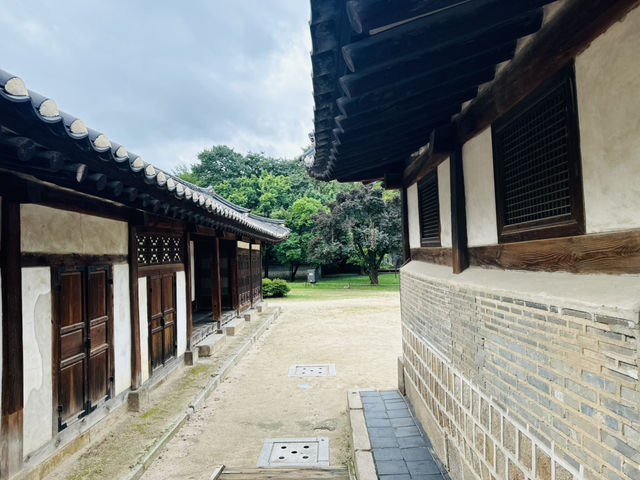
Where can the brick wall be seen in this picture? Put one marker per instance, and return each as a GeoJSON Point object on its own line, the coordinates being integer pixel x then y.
{"type": "Point", "coordinates": [518, 387]}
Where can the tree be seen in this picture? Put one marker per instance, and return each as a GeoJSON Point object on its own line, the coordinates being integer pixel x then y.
{"type": "Point", "coordinates": [362, 223]}
{"type": "Point", "coordinates": [300, 219]}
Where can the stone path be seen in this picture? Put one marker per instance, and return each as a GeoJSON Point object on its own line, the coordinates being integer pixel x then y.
{"type": "Point", "coordinates": [401, 450]}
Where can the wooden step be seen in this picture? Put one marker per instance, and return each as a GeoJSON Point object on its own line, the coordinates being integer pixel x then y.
{"type": "Point", "coordinates": [293, 473]}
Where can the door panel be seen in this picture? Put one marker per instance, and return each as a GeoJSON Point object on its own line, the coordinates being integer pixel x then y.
{"type": "Point", "coordinates": [72, 336]}
{"type": "Point", "coordinates": [162, 314]}
{"type": "Point", "coordinates": [84, 323]}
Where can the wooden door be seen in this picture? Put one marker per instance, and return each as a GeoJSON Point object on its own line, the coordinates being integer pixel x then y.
{"type": "Point", "coordinates": [83, 348]}
{"type": "Point", "coordinates": [244, 278]}
{"type": "Point", "coordinates": [256, 274]}
{"type": "Point", "coordinates": [98, 300]}
{"type": "Point", "coordinates": [72, 374]}
{"type": "Point", "coordinates": [162, 318]}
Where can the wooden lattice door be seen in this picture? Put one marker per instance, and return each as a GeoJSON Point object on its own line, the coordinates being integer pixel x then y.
{"type": "Point", "coordinates": [244, 278]}
{"type": "Point", "coordinates": [83, 347]}
{"type": "Point", "coordinates": [162, 318]}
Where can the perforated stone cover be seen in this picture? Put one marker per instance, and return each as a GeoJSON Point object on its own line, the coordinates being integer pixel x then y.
{"type": "Point", "coordinates": [294, 452]}
{"type": "Point", "coordinates": [313, 370]}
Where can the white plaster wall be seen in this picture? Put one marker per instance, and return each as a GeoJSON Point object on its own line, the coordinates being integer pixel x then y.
{"type": "Point", "coordinates": [413, 215]}
{"type": "Point", "coordinates": [37, 357]}
{"type": "Point", "coordinates": [477, 161]}
{"type": "Point", "coordinates": [192, 270]}
{"type": "Point", "coordinates": [444, 199]}
{"type": "Point", "coordinates": [608, 87]}
{"type": "Point", "coordinates": [144, 329]}
{"type": "Point", "coordinates": [181, 317]}
{"type": "Point", "coordinates": [51, 230]}
{"type": "Point", "coordinates": [121, 328]}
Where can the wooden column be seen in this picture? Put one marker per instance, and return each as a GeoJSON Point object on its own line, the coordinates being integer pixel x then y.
{"type": "Point", "coordinates": [251, 273]}
{"type": "Point", "coordinates": [187, 272]}
{"type": "Point", "coordinates": [216, 285]}
{"type": "Point", "coordinates": [11, 430]}
{"type": "Point", "coordinates": [233, 277]}
{"type": "Point", "coordinates": [406, 251]}
{"type": "Point", "coordinates": [136, 371]}
{"type": "Point", "coordinates": [460, 254]}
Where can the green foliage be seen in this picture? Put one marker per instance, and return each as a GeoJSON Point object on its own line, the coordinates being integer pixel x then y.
{"type": "Point", "coordinates": [362, 226]}
{"type": "Point", "coordinates": [274, 288]}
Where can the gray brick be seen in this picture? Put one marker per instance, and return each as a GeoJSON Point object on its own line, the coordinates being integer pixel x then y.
{"type": "Point", "coordinates": [620, 446]}
{"type": "Point", "coordinates": [422, 467]}
{"type": "Point", "coordinates": [377, 422]}
{"type": "Point", "coordinates": [383, 442]}
{"type": "Point", "coordinates": [402, 422]}
{"type": "Point", "coordinates": [581, 390]}
{"type": "Point", "coordinates": [600, 382]}
{"type": "Point", "coordinates": [620, 409]}
{"type": "Point", "coordinates": [415, 454]}
{"type": "Point", "coordinates": [539, 384]}
{"type": "Point", "coordinates": [408, 442]}
{"type": "Point", "coordinates": [391, 467]}
{"type": "Point", "coordinates": [381, 432]}
{"type": "Point", "coordinates": [387, 454]}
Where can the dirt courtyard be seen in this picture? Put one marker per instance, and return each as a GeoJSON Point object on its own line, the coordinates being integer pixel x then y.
{"type": "Point", "coordinates": [361, 336]}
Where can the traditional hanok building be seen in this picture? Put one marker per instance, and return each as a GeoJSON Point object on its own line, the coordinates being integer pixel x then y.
{"type": "Point", "coordinates": [111, 270]}
{"type": "Point", "coordinates": [512, 129]}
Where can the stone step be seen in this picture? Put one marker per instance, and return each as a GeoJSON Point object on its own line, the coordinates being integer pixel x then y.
{"type": "Point", "coordinates": [209, 345]}
{"type": "Point", "coordinates": [234, 326]}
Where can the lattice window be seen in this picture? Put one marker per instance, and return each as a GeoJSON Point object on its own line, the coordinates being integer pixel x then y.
{"type": "Point", "coordinates": [429, 207]}
{"type": "Point", "coordinates": [159, 248]}
{"type": "Point", "coordinates": [537, 164]}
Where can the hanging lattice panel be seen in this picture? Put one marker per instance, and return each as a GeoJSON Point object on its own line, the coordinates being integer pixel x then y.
{"type": "Point", "coordinates": [159, 248]}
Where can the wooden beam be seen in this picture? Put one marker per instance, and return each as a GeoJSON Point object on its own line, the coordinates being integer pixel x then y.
{"type": "Point", "coordinates": [437, 255]}
{"type": "Point", "coordinates": [216, 284]}
{"type": "Point", "coordinates": [38, 259]}
{"type": "Point", "coordinates": [392, 181]}
{"type": "Point", "coordinates": [460, 255]}
{"type": "Point", "coordinates": [571, 30]}
{"type": "Point", "coordinates": [365, 15]}
{"type": "Point", "coordinates": [136, 369]}
{"type": "Point", "coordinates": [441, 145]}
{"type": "Point", "coordinates": [11, 423]}
{"type": "Point", "coordinates": [607, 253]}
{"type": "Point", "coordinates": [461, 21]}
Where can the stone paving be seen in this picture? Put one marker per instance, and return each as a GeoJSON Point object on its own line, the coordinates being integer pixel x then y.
{"type": "Point", "coordinates": [401, 450]}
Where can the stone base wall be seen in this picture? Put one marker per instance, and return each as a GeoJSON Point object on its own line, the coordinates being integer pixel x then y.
{"type": "Point", "coordinates": [512, 384]}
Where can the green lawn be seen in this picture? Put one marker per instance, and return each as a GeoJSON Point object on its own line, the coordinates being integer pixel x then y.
{"type": "Point", "coordinates": [342, 286]}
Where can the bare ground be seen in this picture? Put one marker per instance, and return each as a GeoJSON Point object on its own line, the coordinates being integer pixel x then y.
{"type": "Point", "coordinates": [258, 400]}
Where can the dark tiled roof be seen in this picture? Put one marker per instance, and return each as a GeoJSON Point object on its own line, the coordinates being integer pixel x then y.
{"type": "Point", "coordinates": [33, 125]}
{"type": "Point", "coordinates": [386, 73]}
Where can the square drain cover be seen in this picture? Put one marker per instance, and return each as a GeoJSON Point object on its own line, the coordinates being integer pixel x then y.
{"type": "Point", "coordinates": [316, 370]}
{"type": "Point", "coordinates": [295, 452]}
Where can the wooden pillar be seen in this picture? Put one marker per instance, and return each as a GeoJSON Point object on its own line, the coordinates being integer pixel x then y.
{"type": "Point", "coordinates": [460, 252]}
{"type": "Point", "coordinates": [187, 272]}
{"type": "Point", "coordinates": [233, 277]}
{"type": "Point", "coordinates": [216, 285]}
{"type": "Point", "coordinates": [136, 370]}
{"type": "Point", "coordinates": [251, 272]}
{"type": "Point", "coordinates": [11, 429]}
{"type": "Point", "coordinates": [406, 251]}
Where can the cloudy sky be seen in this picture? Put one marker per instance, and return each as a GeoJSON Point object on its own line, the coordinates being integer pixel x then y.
{"type": "Point", "coordinates": [167, 79]}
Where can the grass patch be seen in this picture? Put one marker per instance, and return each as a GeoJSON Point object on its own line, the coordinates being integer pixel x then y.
{"type": "Point", "coordinates": [342, 286]}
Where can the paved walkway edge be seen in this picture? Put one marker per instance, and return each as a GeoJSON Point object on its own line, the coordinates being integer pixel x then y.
{"type": "Point", "coordinates": [362, 454]}
{"type": "Point", "coordinates": [142, 465]}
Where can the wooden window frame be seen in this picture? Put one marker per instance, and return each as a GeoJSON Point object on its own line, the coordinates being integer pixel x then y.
{"type": "Point", "coordinates": [552, 227]}
{"type": "Point", "coordinates": [431, 177]}
{"type": "Point", "coordinates": [56, 271]}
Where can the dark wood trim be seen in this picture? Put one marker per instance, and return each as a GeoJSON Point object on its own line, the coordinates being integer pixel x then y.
{"type": "Point", "coordinates": [187, 274]}
{"type": "Point", "coordinates": [160, 269]}
{"type": "Point", "coordinates": [606, 253]}
{"type": "Point", "coordinates": [556, 226]}
{"type": "Point", "coordinates": [216, 287]}
{"type": "Point", "coordinates": [406, 251]}
{"type": "Point", "coordinates": [437, 255]}
{"type": "Point", "coordinates": [11, 429]}
{"type": "Point", "coordinates": [250, 274]}
{"type": "Point", "coordinates": [37, 259]}
{"type": "Point", "coordinates": [136, 370]}
{"type": "Point", "coordinates": [441, 145]}
{"type": "Point", "coordinates": [571, 30]}
{"type": "Point", "coordinates": [460, 255]}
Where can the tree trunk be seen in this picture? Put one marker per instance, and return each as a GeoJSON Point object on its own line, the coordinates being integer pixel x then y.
{"type": "Point", "coordinates": [294, 270]}
{"type": "Point", "coordinates": [372, 268]}
{"type": "Point", "coordinates": [373, 276]}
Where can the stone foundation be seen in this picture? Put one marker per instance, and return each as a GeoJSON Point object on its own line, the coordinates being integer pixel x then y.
{"type": "Point", "coordinates": [512, 384]}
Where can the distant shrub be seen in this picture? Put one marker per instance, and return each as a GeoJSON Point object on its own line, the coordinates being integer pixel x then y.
{"type": "Point", "coordinates": [274, 288]}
